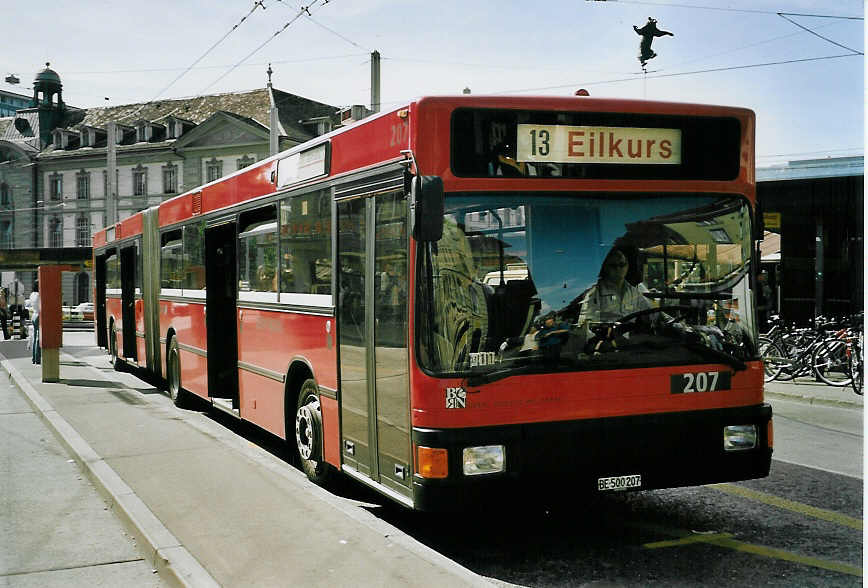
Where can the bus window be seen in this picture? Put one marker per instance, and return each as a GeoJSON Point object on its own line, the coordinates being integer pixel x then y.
{"type": "Point", "coordinates": [194, 257]}
{"type": "Point", "coordinates": [139, 261]}
{"type": "Point", "coordinates": [305, 244]}
{"type": "Point", "coordinates": [171, 260]}
{"type": "Point", "coordinates": [112, 272]}
{"type": "Point", "coordinates": [257, 251]}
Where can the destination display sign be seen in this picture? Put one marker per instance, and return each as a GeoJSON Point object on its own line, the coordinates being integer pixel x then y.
{"type": "Point", "coordinates": [592, 144]}
{"type": "Point", "coordinates": [511, 143]}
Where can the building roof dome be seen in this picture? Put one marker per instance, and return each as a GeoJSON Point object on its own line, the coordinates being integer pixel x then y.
{"type": "Point", "coordinates": [47, 76]}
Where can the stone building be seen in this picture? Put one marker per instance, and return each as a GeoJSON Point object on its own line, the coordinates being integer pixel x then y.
{"type": "Point", "coordinates": [55, 188]}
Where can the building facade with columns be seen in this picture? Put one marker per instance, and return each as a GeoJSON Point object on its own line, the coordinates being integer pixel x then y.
{"type": "Point", "coordinates": [56, 160]}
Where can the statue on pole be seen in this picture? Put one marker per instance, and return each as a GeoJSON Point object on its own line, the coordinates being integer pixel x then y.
{"type": "Point", "coordinates": [648, 33]}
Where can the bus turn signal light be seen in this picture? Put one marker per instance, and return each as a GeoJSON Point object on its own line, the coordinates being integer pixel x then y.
{"type": "Point", "coordinates": [771, 434]}
{"type": "Point", "coordinates": [432, 462]}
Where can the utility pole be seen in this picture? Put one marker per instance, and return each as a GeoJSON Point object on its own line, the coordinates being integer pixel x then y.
{"type": "Point", "coordinates": [111, 196]}
{"type": "Point", "coordinates": [375, 81]}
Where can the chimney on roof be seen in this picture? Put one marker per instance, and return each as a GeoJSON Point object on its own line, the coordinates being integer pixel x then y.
{"type": "Point", "coordinates": [375, 81]}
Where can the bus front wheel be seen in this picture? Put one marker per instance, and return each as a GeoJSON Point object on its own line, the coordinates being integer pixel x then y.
{"type": "Point", "coordinates": [308, 433]}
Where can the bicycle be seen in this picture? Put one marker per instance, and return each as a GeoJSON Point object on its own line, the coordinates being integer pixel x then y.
{"type": "Point", "coordinates": [789, 353]}
{"type": "Point", "coordinates": [856, 358]}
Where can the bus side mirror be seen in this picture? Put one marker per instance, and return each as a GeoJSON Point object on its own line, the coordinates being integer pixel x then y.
{"type": "Point", "coordinates": [426, 208]}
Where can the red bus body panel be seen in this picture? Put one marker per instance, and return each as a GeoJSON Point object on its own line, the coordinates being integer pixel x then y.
{"type": "Point", "coordinates": [271, 340]}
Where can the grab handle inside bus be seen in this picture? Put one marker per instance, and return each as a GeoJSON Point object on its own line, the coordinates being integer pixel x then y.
{"type": "Point", "coordinates": [426, 208]}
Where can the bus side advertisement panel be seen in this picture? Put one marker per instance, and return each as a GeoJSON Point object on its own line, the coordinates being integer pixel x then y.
{"type": "Point", "coordinates": [187, 320]}
{"type": "Point", "coordinates": [268, 343]}
{"type": "Point", "coordinates": [261, 400]}
{"type": "Point", "coordinates": [252, 183]}
{"type": "Point", "coordinates": [383, 140]}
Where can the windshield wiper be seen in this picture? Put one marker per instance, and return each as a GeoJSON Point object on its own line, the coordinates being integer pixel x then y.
{"type": "Point", "coordinates": [692, 342]}
{"type": "Point", "coordinates": [540, 366]}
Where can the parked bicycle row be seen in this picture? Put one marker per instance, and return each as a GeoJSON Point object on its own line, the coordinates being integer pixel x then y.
{"type": "Point", "coordinates": [830, 351]}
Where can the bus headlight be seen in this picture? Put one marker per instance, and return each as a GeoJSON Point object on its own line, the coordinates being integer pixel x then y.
{"type": "Point", "coordinates": [739, 437]}
{"type": "Point", "coordinates": [487, 459]}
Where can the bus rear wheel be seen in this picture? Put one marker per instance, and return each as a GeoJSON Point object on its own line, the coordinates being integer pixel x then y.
{"type": "Point", "coordinates": [173, 375]}
{"type": "Point", "coordinates": [113, 349]}
{"type": "Point", "coordinates": [309, 433]}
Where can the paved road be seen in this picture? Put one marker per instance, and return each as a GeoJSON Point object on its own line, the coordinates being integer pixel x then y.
{"type": "Point", "coordinates": [246, 515]}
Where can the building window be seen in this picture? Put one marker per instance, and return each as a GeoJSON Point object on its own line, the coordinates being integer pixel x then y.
{"type": "Point", "coordinates": [55, 232]}
{"type": "Point", "coordinates": [213, 170]}
{"type": "Point", "coordinates": [170, 178]}
{"type": "Point", "coordinates": [140, 181]}
{"type": "Point", "coordinates": [4, 194]}
{"type": "Point", "coordinates": [82, 182]}
{"type": "Point", "coordinates": [82, 288]}
{"type": "Point", "coordinates": [55, 186]}
{"type": "Point", "coordinates": [6, 234]}
{"type": "Point", "coordinates": [82, 231]}
{"type": "Point", "coordinates": [245, 161]}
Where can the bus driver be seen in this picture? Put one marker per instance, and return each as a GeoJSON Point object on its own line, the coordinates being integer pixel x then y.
{"type": "Point", "coordinates": [612, 297]}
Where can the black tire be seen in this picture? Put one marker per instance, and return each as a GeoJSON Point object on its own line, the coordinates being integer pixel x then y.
{"type": "Point", "coordinates": [857, 370]}
{"type": "Point", "coordinates": [309, 434]}
{"type": "Point", "coordinates": [790, 346]}
{"type": "Point", "coordinates": [179, 396]}
{"type": "Point", "coordinates": [771, 355]}
{"type": "Point", "coordinates": [830, 362]}
{"type": "Point", "coordinates": [116, 361]}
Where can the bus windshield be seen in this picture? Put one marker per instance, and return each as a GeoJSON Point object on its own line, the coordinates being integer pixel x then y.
{"type": "Point", "coordinates": [533, 283]}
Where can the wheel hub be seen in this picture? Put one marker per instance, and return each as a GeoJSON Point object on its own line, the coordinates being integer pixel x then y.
{"type": "Point", "coordinates": [306, 432]}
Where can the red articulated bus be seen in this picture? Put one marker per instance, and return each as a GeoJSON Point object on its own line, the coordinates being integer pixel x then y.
{"type": "Point", "coordinates": [468, 293]}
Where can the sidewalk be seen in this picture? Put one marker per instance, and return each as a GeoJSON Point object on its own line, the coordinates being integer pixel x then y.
{"type": "Point", "coordinates": [56, 531]}
{"type": "Point", "coordinates": [205, 505]}
{"type": "Point", "coordinates": [808, 390]}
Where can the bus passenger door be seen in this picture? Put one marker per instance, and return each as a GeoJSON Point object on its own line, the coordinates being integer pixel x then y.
{"type": "Point", "coordinates": [220, 311]}
{"type": "Point", "coordinates": [128, 300]}
{"type": "Point", "coordinates": [372, 332]}
{"type": "Point", "coordinates": [99, 302]}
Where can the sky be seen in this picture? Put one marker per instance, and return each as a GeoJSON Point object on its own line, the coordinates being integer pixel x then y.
{"type": "Point", "coordinates": [809, 102]}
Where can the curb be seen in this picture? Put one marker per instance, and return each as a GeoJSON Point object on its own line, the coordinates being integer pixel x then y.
{"type": "Point", "coordinates": [160, 547]}
{"type": "Point", "coordinates": [814, 400]}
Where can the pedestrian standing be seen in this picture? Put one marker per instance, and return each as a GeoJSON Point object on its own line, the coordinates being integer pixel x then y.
{"type": "Point", "coordinates": [4, 312]}
{"type": "Point", "coordinates": [35, 308]}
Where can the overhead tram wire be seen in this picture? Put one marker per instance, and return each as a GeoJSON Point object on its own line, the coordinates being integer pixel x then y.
{"type": "Point", "coordinates": [677, 74]}
{"type": "Point", "coordinates": [721, 9]}
{"type": "Point", "coordinates": [332, 31]}
{"type": "Point", "coordinates": [302, 11]}
{"type": "Point", "coordinates": [782, 15]}
{"type": "Point", "coordinates": [257, 4]}
{"type": "Point", "coordinates": [741, 48]}
{"type": "Point", "coordinates": [223, 66]}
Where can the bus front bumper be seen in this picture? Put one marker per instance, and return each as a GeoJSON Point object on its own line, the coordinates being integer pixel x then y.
{"type": "Point", "coordinates": [571, 458]}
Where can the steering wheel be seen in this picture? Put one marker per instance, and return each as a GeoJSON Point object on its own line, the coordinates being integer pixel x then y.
{"type": "Point", "coordinates": [629, 322]}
